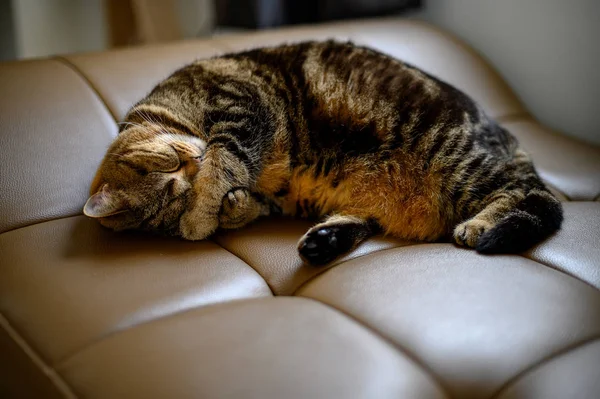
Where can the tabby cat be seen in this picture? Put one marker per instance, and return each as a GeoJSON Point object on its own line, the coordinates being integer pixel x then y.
{"type": "Point", "coordinates": [360, 141]}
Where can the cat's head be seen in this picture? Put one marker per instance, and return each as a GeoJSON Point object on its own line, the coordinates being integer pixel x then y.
{"type": "Point", "coordinates": [145, 179]}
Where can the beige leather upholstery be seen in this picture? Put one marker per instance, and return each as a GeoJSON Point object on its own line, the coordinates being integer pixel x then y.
{"type": "Point", "coordinates": [85, 312]}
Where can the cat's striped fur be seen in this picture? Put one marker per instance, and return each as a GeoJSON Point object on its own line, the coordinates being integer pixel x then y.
{"type": "Point", "coordinates": [361, 141]}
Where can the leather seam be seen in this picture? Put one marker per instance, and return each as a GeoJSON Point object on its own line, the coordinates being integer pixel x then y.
{"type": "Point", "coordinates": [403, 351]}
{"type": "Point", "coordinates": [549, 266]}
{"type": "Point", "coordinates": [376, 334]}
{"type": "Point", "coordinates": [88, 82]}
{"type": "Point", "coordinates": [248, 264]}
{"type": "Point", "coordinates": [54, 377]}
{"type": "Point", "coordinates": [133, 326]}
{"type": "Point", "coordinates": [557, 189]}
{"type": "Point", "coordinates": [524, 116]}
{"type": "Point", "coordinates": [326, 269]}
{"type": "Point", "coordinates": [66, 358]}
{"type": "Point", "coordinates": [537, 365]}
{"type": "Point", "coordinates": [564, 272]}
{"type": "Point", "coordinates": [64, 61]}
{"type": "Point", "coordinates": [39, 222]}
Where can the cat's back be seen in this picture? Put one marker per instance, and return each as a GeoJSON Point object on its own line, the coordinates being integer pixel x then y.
{"type": "Point", "coordinates": [349, 91]}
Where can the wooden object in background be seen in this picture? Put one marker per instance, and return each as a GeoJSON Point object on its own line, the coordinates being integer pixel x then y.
{"type": "Point", "coordinates": [141, 21]}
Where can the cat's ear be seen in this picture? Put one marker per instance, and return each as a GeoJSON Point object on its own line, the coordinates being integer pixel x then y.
{"type": "Point", "coordinates": [104, 203]}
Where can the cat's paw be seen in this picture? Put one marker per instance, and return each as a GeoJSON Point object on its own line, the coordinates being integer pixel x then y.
{"type": "Point", "coordinates": [234, 200]}
{"type": "Point", "coordinates": [195, 225]}
{"type": "Point", "coordinates": [236, 209]}
{"type": "Point", "coordinates": [322, 244]}
{"type": "Point", "coordinates": [468, 233]}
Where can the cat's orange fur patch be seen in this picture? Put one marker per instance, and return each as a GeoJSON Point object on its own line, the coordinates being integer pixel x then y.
{"type": "Point", "coordinates": [402, 206]}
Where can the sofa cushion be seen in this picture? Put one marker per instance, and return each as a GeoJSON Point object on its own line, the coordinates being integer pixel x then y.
{"type": "Point", "coordinates": [86, 312]}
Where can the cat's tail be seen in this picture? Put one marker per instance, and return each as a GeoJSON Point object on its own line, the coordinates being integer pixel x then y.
{"type": "Point", "coordinates": [529, 221]}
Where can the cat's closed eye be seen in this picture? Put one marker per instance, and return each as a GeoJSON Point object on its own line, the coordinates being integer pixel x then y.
{"type": "Point", "coordinates": [174, 169]}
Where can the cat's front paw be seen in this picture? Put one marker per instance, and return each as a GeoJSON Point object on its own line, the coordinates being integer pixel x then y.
{"type": "Point", "coordinates": [196, 226]}
{"type": "Point", "coordinates": [322, 245]}
{"type": "Point", "coordinates": [235, 208]}
{"type": "Point", "coordinates": [468, 233]}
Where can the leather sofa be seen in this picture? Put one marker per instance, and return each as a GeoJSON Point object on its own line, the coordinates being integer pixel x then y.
{"type": "Point", "coordinates": [86, 312]}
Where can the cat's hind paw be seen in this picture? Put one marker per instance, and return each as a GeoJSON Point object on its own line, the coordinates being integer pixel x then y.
{"type": "Point", "coordinates": [469, 232]}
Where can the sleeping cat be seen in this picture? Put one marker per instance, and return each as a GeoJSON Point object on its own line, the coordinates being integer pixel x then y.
{"type": "Point", "coordinates": [360, 141]}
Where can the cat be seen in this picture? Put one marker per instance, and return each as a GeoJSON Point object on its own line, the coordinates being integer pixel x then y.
{"type": "Point", "coordinates": [362, 142]}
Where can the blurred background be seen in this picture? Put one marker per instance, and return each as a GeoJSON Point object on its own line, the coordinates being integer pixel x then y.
{"type": "Point", "coordinates": [547, 50]}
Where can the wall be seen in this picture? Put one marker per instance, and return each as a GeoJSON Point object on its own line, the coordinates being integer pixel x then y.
{"type": "Point", "coordinates": [7, 35]}
{"type": "Point", "coordinates": [197, 17]}
{"type": "Point", "coordinates": [46, 27]}
{"type": "Point", "coordinates": [548, 50]}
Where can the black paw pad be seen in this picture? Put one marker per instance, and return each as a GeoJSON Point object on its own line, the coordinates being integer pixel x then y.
{"type": "Point", "coordinates": [323, 245]}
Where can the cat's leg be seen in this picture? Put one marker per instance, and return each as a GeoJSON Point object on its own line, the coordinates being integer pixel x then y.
{"type": "Point", "coordinates": [513, 209]}
{"type": "Point", "coordinates": [221, 171]}
{"type": "Point", "coordinates": [468, 232]}
{"type": "Point", "coordinates": [511, 222]}
{"type": "Point", "coordinates": [241, 207]}
{"type": "Point", "coordinates": [335, 236]}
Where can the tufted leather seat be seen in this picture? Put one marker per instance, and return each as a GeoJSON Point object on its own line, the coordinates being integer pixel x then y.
{"type": "Point", "coordinates": [85, 312]}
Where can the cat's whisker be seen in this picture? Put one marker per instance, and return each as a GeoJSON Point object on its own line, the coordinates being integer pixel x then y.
{"type": "Point", "coordinates": [116, 154]}
{"type": "Point", "coordinates": [149, 118]}
{"type": "Point", "coordinates": [144, 128]}
{"type": "Point", "coordinates": [138, 125]}
{"type": "Point", "coordinates": [129, 124]}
